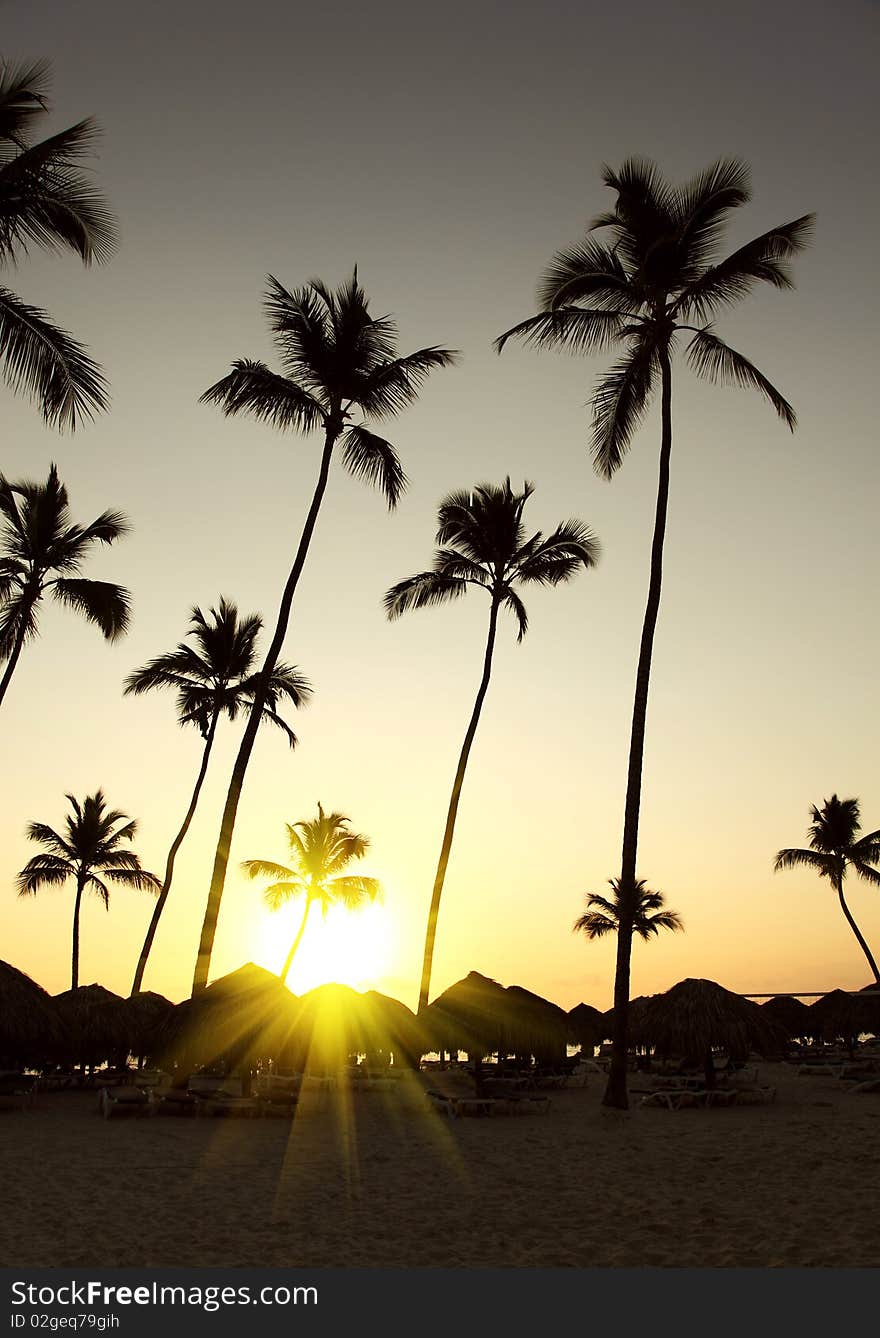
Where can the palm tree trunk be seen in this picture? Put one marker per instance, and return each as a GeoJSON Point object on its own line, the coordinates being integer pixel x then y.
{"type": "Point", "coordinates": [74, 957]}
{"type": "Point", "coordinates": [16, 650]}
{"type": "Point", "coordinates": [838, 885]}
{"type": "Point", "coordinates": [453, 810]}
{"type": "Point", "coordinates": [288, 961]}
{"type": "Point", "coordinates": [172, 855]}
{"type": "Point", "coordinates": [236, 783]}
{"type": "Point", "coordinates": [615, 1091]}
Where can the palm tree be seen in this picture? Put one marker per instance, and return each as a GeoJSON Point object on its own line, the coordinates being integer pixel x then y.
{"type": "Point", "coordinates": [42, 550]}
{"type": "Point", "coordinates": [46, 200]}
{"type": "Point", "coordinates": [215, 677]}
{"type": "Point", "coordinates": [835, 849]}
{"type": "Point", "coordinates": [320, 853]}
{"type": "Point", "coordinates": [604, 914]}
{"type": "Point", "coordinates": [484, 544]}
{"type": "Point", "coordinates": [90, 854]}
{"type": "Point", "coordinates": [337, 361]}
{"type": "Point", "coordinates": [660, 272]}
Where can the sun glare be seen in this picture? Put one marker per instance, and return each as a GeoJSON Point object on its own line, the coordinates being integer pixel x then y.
{"type": "Point", "coordinates": [349, 949]}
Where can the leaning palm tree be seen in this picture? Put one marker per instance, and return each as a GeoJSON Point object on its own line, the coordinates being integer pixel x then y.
{"type": "Point", "coordinates": [42, 551]}
{"type": "Point", "coordinates": [214, 677]}
{"type": "Point", "coordinates": [659, 278]}
{"type": "Point", "coordinates": [46, 200]}
{"type": "Point", "coordinates": [90, 854]}
{"type": "Point", "coordinates": [835, 849]}
{"type": "Point", "coordinates": [321, 848]}
{"type": "Point", "coordinates": [337, 361]}
{"type": "Point", "coordinates": [645, 909]}
{"type": "Point", "coordinates": [483, 543]}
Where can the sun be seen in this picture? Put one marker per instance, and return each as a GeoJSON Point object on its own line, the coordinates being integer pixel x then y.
{"type": "Point", "coordinates": [350, 948]}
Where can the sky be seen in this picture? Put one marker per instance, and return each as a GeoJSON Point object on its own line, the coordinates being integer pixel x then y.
{"type": "Point", "coordinates": [448, 153]}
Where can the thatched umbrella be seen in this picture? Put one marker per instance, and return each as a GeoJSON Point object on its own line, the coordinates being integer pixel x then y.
{"type": "Point", "coordinates": [790, 1013]}
{"type": "Point", "coordinates": [869, 998]}
{"type": "Point", "coordinates": [475, 1014]}
{"type": "Point", "coordinates": [541, 1027]}
{"type": "Point", "coordinates": [331, 1023]}
{"type": "Point", "coordinates": [146, 1016]}
{"type": "Point", "coordinates": [838, 1015]}
{"type": "Point", "coordinates": [586, 1026]}
{"type": "Point", "coordinates": [391, 1026]}
{"type": "Point", "coordinates": [237, 1020]}
{"type": "Point", "coordinates": [636, 1014]}
{"type": "Point", "coordinates": [93, 1020]}
{"type": "Point", "coordinates": [696, 1016]}
{"type": "Point", "coordinates": [30, 1028]}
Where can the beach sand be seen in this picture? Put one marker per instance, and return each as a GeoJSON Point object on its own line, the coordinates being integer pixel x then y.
{"type": "Point", "coordinates": [377, 1179]}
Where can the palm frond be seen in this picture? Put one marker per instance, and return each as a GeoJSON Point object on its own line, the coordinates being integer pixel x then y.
{"type": "Point", "coordinates": [253, 388]}
{"type": "Point", "coordinates": [375, 460]}
{"type": "Point", "coordinates": [577, 329]}
{"type": "Point", "coordinates": [710, 357]}
{"type": "Point", "coordinates": [277, 895]}
{"type": "Point", "coordinates": [761, 260]}
{"type": "Point", "coordinates": [619, 403]}
{"type": "Point", "coordinates": [106, 605]}
{"type": "Point", "coordinates": [48, 365]}
{"type": "Point", "coordinates": [511, 600]}
{"type": "Point", "coordinates": [353, 890]}
{"type": "Point", "coordinates": [422, 591]}
{"type": "Point", "coordinates": [810, 859]}
{"type": "Point", "coordinates": [263, 868]}
{"type": "Point", "coordinates": [43, 871]}
{"type": "Point", "coordinates": [393, 386]}
{"type": "Point", "coordinates": [588, 272]}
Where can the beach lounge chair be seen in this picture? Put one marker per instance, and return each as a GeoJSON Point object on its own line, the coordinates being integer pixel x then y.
{"type": "Point", "coordinates": [125, 1100]}
{"type": "Point", "coordinates": [675, 1098]}
{"type": "Point", "coordinates": [755, 1096]}
{"type": "Point", "coordinates": [442, 1103]}
{"type": "Point", "coordinates": [174, 1101]}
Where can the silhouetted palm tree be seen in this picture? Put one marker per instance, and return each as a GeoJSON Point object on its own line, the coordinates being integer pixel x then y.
{"type": "Point", "coordinates": [646, 912]}
{"type": "Point", "coordinates": [216, 676]}
{"type": "Point", "coordinates": [324, 849]}
{"type": "Point", "coordinates": [89, 853]}
{"type": "Point", "coordinates": [40, 551]}
{"type": "Point", "coordinates": [46, 200]}
{"type": "Point", "coordinates": [660, 272]}
{"type": "Point", "coordinates": [484, 544]}
{"type": "Point", "coordinates": [337, 361]}
{"type": "Point", "coordinates": [835, 848]}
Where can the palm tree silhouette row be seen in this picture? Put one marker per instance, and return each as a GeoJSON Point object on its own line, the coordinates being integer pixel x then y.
{"type": "Point", "coordinates": [321, 848]}
{"type": "Point", "coordinates": [337, 361]}
{"type": "Point", "coordinates": [42, 550]}
{"type": "Point", "coordinates": [643, 908]}
{"type": "Point", "coordinates": [47, 201]}
{"type": "Point", "coordinates": [835, 849]}
{"type": "Point", "coordinates": [89, 853]}
{"type": "Point", "coordinates": [484, 544]}
{"type": "Point", "coordinates": [660, 272]}
{"type": "Point", "coordinates": [214, 677]}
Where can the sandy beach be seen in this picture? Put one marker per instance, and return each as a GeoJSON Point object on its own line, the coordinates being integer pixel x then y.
{"type": "Point", "coordinates": [378, 1178]}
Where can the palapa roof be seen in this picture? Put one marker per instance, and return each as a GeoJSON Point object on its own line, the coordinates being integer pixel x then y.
{"type": "Point", "coordinates": [586, 1025]}
{"type": "Point", "coordinates": [245, 1015]}
{"type": "Point", "coordinates": [93, 1019]}
{"type": "Point", "coordinates": [541, 1026]}
{"type": "Point", "coordinates": [29, 1024]}
{"type": "Point", "coordinates": [791, 1013]}
{"type": "Point", "coordinates": [841, 1014]}
{"type": "Point", "coordinates": [146, 1016]}
{"type": "Point", "coordinates": [475, 1014]}
{"type": "Point", "coordinates": [696, 1016]}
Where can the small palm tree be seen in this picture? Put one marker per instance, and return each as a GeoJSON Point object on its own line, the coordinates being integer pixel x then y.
{"type": "Point", "coordinates": [214, 677]}
{"type": "Point", "coordinates": [645, 908]}
{"type": "Point", "coordinates": [46, 200]}
{"type": "Point", "coordinates": [835, 849]}
{"type": "Point", "coordinates": [337, 361]}
{"type": "Point", "coordinates": [90, 854]}
{"type": "Point", "coordinates": [659, 278]}
{"type": "Point", "coordinates": [484, 544]}
{"type": "Point", "coordinates": [42, 550]}
{"type": "Point", "coordinates": [321, 849]}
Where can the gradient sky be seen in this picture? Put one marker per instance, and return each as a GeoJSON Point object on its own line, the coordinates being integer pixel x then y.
{"type": "Point", "coordinates": [449, 152]}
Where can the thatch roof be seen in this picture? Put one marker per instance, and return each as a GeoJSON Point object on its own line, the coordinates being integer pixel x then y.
{"type": "Point", "coordinates": [30, 1027]}
{"type": "Point", "coordinates": [390, 1025]}
{"type": "Point", "coordinates": [239, 1018]}
{"type": "Point", "coordinates": [475, 1014]}
{"type": "Point", "coordinates": [636, 1015]}
{"type": "Point", "coordinates": [695, 1016]}
{"type": "Point", "coordinates": [840, 1014]}
{"type": "Point", "coordinates": [586, 1025]}
{"type": "Point", "coordinates": [791, 1013]}
{"type": "Point", "coordinates": [93, 1020]}
{"type": "Point", "coordinates": [146, 1016]}
{"type": "Point", "coordinates": [541, 1027]}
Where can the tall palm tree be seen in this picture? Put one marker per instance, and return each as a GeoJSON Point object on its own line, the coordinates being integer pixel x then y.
{"type": "Point", "coordinates": [337, 361]}
{"type": "Point", "coordinates": [42, 550]}
{"type": "Point", "coordinates": [835, 849]}
{"type": "Point", "coordinates": [483, 543]}
{"type": "Point", "coordinates": [645, 909]}
{"type": "Point", "coordinates": [46, 200]}
{"type": "Point", "coordinates": [659, 277]}
{"type": "Point", "coordinates": [321, 848]}
{"type": "Point", "coordinates": [89, 853]}
{"type": "Point", "coordinates": [215, 677]}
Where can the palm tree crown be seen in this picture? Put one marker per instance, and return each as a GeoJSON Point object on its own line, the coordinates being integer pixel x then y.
{"type": "Point", "coordinates": [41, 550]}
{"type": "Point", "coordinates": [46, 200]}
{"type": "Point", "coordinates": [603, 914]}
{"type": "Point", "coordinates": [337, 360]}
{"type": "Point", "coordinates": [89, 852]}
{"type": "Point", "coordinates": [659, 272]}
{"type": "Point", "coordinates": [483, 543]}
{"type": "Point", "coordinates": [322, 848]}
{"type": "Point", "coordinates": [217, 675]}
